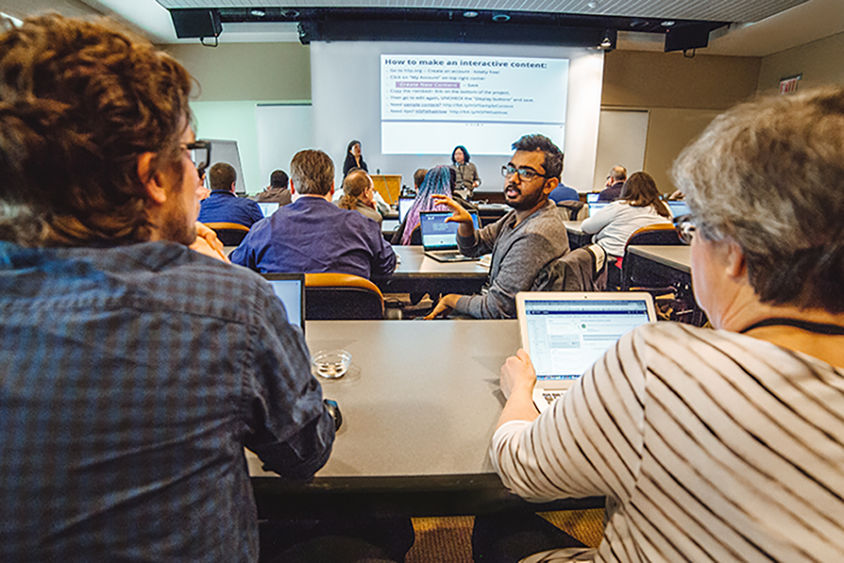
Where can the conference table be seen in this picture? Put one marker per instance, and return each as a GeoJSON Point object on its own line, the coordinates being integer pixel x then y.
{"type": "Point", "coordinates": [417, 273]}
{"type": "Point", "coordinates": [420, 404]}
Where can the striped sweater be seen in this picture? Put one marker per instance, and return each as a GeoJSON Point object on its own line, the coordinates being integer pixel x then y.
{"type": "Point", "coordinates": [709, 446]}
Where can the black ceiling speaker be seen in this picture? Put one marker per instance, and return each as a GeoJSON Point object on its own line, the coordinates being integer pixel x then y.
{"type": "Point", "coordinates": [196, 23]}
{"type": "Point", "coordinates": [684, 37]}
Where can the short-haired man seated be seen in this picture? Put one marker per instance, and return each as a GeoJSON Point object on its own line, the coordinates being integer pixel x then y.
{"type": "Point", "coordinates": [133, 370]}
{"type": "Point", "coordinates": [522, 242]}
{"type": "Point", "coordinates": [314, 235]}
{"type": "Point", "coordinates": [223, 205]}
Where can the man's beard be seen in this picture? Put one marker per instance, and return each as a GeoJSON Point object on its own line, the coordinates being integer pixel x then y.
{"type": "Point", "coordinates": [175, 227]}
{"type": "Point", "coordinates": [527, 203]}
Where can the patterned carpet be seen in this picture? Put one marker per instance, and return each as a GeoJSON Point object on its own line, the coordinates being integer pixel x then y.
{"type": "Point", "coordinates": [449, 539]}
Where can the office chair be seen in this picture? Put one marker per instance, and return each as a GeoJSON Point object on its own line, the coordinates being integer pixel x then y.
{"type": "Point", "coordinates": [230, 234]}
{"type": "Point", "coordinates": [333, 295]}
{"type": "Point", "coordinates": [573, 210]}
{"type": "Point", "coordinates": [582, 269]}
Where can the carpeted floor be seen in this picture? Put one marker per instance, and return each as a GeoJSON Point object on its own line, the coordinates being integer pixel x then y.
{"type": "Point", "coordinates": [449, 539]}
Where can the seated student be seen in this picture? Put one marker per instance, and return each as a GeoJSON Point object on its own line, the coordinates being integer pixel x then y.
{"type": "Point", "coordinates": [438, 181]}
{"type": "Point", "coordinates": [223, 206]}
{"type": "Point", "coordinates": [615, 181]}
{"type": "Point", "coordinates": [522, 242]}
{"type": "Point", "coordinates": [638, 206]}
{"type": "Point", "coordinates": [314, 235]}
{"type": "Point", "coordinates": [723, 444]}
{"type": "Point", "coordinates": [359, 195]}
{"type": "Point", "coordinates": [134, 371]}
{"type": "Point", "coordinates": [277, 191]}
{"type": "Point", "coordinates": [563, 193]}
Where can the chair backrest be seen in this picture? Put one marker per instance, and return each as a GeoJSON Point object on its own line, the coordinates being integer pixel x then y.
{"type": "Point", "coordinates": [341, 296]}
{"type": "Point", "coordinates": [416, 235]}
{"type": "Point", "coordinates": [573, 210]}
{"type": "Point", "coordinates": [662, 234]}
{"type": "Point", "coordinates": [582, 269]}
{"type": "Point", "coordinates": [230, 234]}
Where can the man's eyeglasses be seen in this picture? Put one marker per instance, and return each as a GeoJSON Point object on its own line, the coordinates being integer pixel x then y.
{"type": "Point", "coordinates": [200, 154]}
{"type": "Point", "coordinates": [684, 224]}
{"type": "Point", "coordinates": [524, 172]}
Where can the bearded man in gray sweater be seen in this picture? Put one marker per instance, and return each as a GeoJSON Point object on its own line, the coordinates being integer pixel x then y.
{"type": "Point", "coordinates": [522, 242]}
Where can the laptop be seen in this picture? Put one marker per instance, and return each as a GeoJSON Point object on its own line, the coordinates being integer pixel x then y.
{"type": "Point", "coordinates": [405, 203]}
{"type": "Point", "coordinates": [290, 288]}
{"type": "Point", "coordinates": [439, 237]}
{"type": "Point", "coordinates": [678, 208]}
{"type": "Point", "coordinates": [592, 197]}
{"type": "Point", "coordinates": [566, 332]}
{"type": "Point", "coordinates": [268, 207]}
{"type": "Point", "coordinates": [597, 206]}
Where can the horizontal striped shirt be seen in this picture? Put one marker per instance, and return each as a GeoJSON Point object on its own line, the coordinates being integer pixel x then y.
{"type": "Point", "coordinates": [709, 446]}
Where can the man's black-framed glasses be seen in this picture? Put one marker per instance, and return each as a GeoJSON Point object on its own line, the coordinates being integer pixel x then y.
{"type": "Point", "coordinates": [525, 172]}
{"type": "Point", "coordinates": [200, 154]}
{"type": "Point", "coordinates": [685, 226]}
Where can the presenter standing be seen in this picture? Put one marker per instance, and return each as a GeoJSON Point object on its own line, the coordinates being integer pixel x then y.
{"type": "Point", "coordinates": [354, 158]}
{"type": "Point", "coordinates": [467, 174]}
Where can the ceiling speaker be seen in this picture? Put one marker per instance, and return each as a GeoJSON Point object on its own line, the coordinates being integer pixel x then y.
{"type": "Point", "coordinates": [196, 23]}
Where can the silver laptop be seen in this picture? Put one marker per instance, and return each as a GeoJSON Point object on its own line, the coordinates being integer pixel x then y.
{"type": "Point", "coordinates": [268, 207]}
{"type": "Point", "coordinates": [566, 332]}
{"type": "Point", "coordinates": [290, 288]}
{"type": "Point", "coordinates": [439, 237]}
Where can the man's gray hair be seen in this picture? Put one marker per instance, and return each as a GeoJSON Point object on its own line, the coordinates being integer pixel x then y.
{"type": "Point", "coordinates": [769, 174]}
{"type": "Point", "coordinates": [312, 172]}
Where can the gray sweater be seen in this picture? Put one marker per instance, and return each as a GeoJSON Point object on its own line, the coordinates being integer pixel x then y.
{"type": "Point", "coordinates": [518, 253]}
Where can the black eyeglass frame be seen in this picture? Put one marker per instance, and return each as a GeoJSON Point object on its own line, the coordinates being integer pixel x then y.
{"type": "Point", "coordinates": [506, 167]}
{"type": "Point", "coordinates": [685, 227]}
{"type": "Point", "coordinates": [199, 145]}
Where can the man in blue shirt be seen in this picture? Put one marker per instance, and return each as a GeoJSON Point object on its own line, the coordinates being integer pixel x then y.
{"type": "Point", "coordinates": [223, 205]}
{"type": "Point", "coordinates": [133, 371]}
{"type": "Point", "coordinates": [563, 193]}
{"type": "Point", "coordinates": [314, 235]}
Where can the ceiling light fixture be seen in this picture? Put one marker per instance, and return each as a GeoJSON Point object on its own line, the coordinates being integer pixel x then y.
{"type": "Point", "coordinates": [258, 13]}
{"type": "Point", "coordinates": [591, 5]}
{"type": "Point", "coordinates": [500, 18]}
{"type": "Point", "coordinates": [608, 42]}
{"type": "Point", "coordinates": [667, 23]}
{"type": "Point", "coordinates": [470, 14]}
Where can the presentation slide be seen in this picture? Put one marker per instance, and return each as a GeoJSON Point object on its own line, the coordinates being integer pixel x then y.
{"type": "Point", "coordinates": [429, 103]}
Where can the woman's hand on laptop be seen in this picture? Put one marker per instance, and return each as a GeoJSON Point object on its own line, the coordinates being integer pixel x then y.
{"type": "Point", "coordinates": [517, 375]}
{"type": "Point", "coordinates": [517, 380]}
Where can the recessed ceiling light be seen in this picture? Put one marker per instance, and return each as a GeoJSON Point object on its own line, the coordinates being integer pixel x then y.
{"type": "Point", "coordinates": [470, 14]}
{"type": "Point", "coordinates": [592, 5]}
{"type": "Point", "coordinates": [667, 23]}
{"type": "Point", "coordinates": [258, 13]}
{"type": "Point", "coordinates": [500, 18]}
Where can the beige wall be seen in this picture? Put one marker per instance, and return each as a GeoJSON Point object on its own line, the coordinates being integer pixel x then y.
{"type": "Point", "coordinates": [820, 62]}
{"type": "Point", "coordinates": [681, 95]}
{"type": "Point", "coordinates": [279, 72]}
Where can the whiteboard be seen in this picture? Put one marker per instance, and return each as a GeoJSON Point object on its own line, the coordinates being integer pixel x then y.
{"type": "Point", "coordinates": [621, 140]}
{"type": "Point", "coordinates": [283, 130]}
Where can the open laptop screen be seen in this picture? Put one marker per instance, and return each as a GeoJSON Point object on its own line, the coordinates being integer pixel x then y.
{"type": "Point", "coordinates": [678, 208]}
{"type": "Point", "coordinates": [565, 336]}
{"type": "Point", "coordinates": [405, 203]}
{"type": "Point", "coordinates": [290, 288]}
{"type": "Point", "coordinates": [592, 197]}
{"type": "Point", "coordinates": [439, 234]}
{"type": "Point", "coordinates": [268, 207]}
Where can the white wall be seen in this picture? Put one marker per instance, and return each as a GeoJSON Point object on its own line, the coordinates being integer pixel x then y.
{"type": "Point", "coordinates": [345, 90]}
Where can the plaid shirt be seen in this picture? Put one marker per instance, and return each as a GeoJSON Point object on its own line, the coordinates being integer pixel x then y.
{"type": "Point", "coordinates": [131, 378]}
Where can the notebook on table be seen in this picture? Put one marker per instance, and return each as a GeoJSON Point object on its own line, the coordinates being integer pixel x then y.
{"type": "Point", "coordinates": [290, 288]}
{"type": "Point", "coordinates": [566, 332]}
{"type": "Point", "coordinates": [439, 237]}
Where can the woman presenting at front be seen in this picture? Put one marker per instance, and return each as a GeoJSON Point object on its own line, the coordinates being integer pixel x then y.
{"type": "Point", "coordinates": [354, 158]}
{"type": "Point", "coordinates": [467, 174]}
